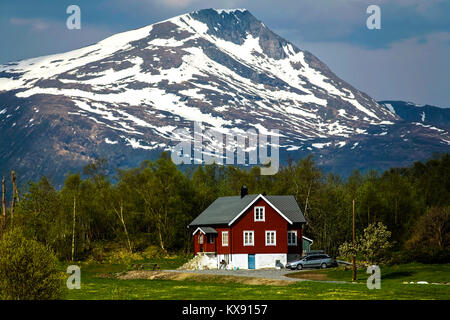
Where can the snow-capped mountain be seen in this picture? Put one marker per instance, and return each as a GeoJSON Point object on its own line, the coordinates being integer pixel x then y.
{"type": "Point", "coordinates": [425, 114]}
{"type": "Point", "coordinates": [123, 97]}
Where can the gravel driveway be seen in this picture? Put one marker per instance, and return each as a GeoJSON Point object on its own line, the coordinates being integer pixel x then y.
{"type": "Point", "coordinates": [272, 274]}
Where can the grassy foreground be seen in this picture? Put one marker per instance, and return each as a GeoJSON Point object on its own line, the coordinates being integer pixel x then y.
{"type": "Point", "coordinates": [412, 272]}
{"type": "Point", "coordinates": [96, 285]}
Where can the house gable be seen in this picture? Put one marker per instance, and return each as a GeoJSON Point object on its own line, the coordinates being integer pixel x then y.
{"type": "Point", "coordinates": [251, 205]}
{"type": "Point", "coordinates": [246, 223]}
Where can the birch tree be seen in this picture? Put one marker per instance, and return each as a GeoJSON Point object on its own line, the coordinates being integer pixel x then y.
{"type": "Point", "coordinates": [72, 184]}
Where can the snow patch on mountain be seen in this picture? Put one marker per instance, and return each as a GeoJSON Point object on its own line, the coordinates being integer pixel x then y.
{"type": "Point", "coordinates": [390, 107]}
{"type": "Point", "coordinates": [223, 68]}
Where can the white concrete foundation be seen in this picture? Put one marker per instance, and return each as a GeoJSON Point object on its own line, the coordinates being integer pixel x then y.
{"type": "Point", "coordinates": [262, 260]}
{"type": "Point", "coordinates": [268, 260]}
{"type": "Point", "coordinates": [239, 261]}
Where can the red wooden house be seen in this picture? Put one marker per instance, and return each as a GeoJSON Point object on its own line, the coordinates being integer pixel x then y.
{"type": "Point", "coordinates": [250, 231]}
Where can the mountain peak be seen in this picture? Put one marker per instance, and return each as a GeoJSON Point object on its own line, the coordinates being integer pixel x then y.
{"type": "Point", "coordinates": [223, 11]}
{"type": "Point", "coordinates": [236, 26]}
{"type": "Point", "coordinates": [124, 97]}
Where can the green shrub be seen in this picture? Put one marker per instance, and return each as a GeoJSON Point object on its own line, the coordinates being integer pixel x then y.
{"type": "Point", "coordinates": [141, 241]}
{"type": "Point", "coordinates": [152, 252]}
{"type": "Point", "coordinates": [115, 252]}
{"type": "Point", "coordinates": [28, 269]}
{"type": "Point", "coordinates": [99, 251]}
{"type": "Point", "coordinates": [122, 256]}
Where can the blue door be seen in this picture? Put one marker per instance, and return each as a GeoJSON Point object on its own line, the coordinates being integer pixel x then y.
{"type": "Point", "coordinates": [251, 261]}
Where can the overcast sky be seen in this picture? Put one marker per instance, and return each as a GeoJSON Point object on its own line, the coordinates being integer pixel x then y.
{"type": "Point", "coordinates": [407, 59]}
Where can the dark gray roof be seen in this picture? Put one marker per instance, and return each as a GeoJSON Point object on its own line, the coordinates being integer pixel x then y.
{"type": "Point", "coordinates": [288, 206]}
{"type": "Point", "coordinates": [224, 209]}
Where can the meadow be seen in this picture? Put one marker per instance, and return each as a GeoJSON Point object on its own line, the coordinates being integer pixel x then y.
{"type": "Point", "coordinates": [101, 282]}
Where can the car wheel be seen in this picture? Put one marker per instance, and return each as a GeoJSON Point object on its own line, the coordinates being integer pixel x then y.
{"type": "Point", "coordinates": [323, 265]}
{"type": "Point", "coordinates": [299, 267]}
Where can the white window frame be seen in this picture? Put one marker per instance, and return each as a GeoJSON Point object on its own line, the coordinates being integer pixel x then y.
{"type": "Point", "coordinates": [249, 244]}
{"type": "Point", "coordinates": [263, 211]}
{"type": "Point", "coordinates": [295, 238]}
{"type": "Point", "coordinates": [223, 237]}
{"type": "Point", "coordinates": [200, 238]}
{"type": "Point", "coordinates": [274, 237]}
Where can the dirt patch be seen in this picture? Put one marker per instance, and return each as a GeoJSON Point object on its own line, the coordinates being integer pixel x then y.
{"type": "Point", "coordinates": [105, 275]}
{"type": "Point", "coordinates": [180, 276]}
{"type": "Point", "coordinates": [309, 276]}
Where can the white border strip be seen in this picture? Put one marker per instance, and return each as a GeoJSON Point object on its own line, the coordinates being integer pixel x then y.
{"type": "Point", "coordinates": [197, 230]}
{"type": "Point", "coordinates": [308, 239]}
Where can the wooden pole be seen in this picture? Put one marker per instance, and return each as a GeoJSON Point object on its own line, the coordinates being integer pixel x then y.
{"type": "Point", "coordinates": [13, 201]}
{"type": "Point", "coordinates": [16, 190]}
{"type": "Point", "coordinates": [4, 201]}
{"type": "Point", "coordinates": [353, 258]}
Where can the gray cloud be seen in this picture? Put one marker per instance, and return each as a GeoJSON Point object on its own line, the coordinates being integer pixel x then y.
{"type": "Point", "coordinates": [33, 24]}
{"type": "Point", "coordinates": [412, 70]}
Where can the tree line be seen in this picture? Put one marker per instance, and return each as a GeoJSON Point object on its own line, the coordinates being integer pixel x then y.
{"type": "Point", "coordinates": [153, 203]}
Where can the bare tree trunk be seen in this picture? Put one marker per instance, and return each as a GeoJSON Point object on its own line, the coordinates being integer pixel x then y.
{"type": "Point", "coordinates": [354, 245]}
{"type": "Point", "coordinates": [73, 225]}
{"type": "Point", "coordinates": [3, 202]}
{"type": "Point", "coordinates": [187, 242]}
{"type": "Point", "coordinates": [15, 189]}
{"type": "Point", "coordinates": [14, 192]}
{"type": "Point", "coordinates": [396, 209]}
{"type": "Point", "coordinates": [157, 216]}
{"type": "Point", "coordinates": [307, 197]}
{"type": "Point", "coordinates": [440, 237]}
{"type": "Point", "coordinates": [296, 189]}
{"type": "Point", "coordinates": [161, 241]}
{"type": "Point", "coordinates": [120, 215]}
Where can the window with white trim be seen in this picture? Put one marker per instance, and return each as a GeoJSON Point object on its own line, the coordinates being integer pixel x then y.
{"type": "Point", "coordinates": [249, 238]}
{"type": "Point", "coordinates": [271, 238]}
{"type": "Point", "coordinates": [200, 239]}
{"type": "Point", "coordinates": [224, 238]}
{"type": "Point", "coordinates": [259, 213]}
{"type": "Point", "coordinates": [292, 238]}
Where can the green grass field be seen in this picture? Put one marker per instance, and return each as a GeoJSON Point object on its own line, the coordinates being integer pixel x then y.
{"type": "Point", "coordinates": [95, 285]}
{"type": "Point", "coordinates": [437, 273]}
